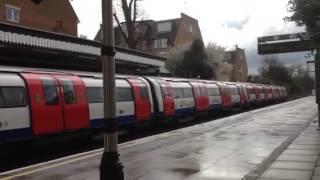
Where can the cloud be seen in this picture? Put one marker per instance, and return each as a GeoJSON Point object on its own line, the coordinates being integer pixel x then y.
{"type": "Point", "coordinates": [236, 24]}
{"type": "Point", "coordinates": [226, 22]}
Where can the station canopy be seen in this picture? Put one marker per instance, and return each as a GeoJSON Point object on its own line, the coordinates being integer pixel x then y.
{"type": "Point", "coordinates": [36, 48]}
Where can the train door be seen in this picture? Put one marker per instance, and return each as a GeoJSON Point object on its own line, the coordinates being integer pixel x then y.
{"type": "Point", "coordinates": [168, 100]}
{"type": "Point", "coordinates": [215, 99]}
{"type": "Point", "coordinates": [235, 94]}
{"type": "Point", "coordinates": [46, 106]}
{"type": "Point", "coordinates": [204, 97]}
{"type": "Point", "coordinates": [57, 103]}
{"type": "Point", "coordinates": [242, 94]}
{"type": "Point", "coordinates": [225, 94]}
{"type": "Point", "coordinates": [75, 103]}
{"type": "Point", "coordinates": [141, 99]}
{"type": "Point", "coordinates": [201, 96]}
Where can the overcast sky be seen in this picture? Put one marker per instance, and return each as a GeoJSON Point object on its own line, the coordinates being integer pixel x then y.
{"type": "Point", "coordinates": [226, 22]}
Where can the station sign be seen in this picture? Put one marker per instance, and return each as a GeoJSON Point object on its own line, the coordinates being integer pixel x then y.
{"type": "Point", "coordinates": [285, 43]}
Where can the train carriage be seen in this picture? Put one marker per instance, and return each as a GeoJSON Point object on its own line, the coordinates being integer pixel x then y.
{"type": "Point", "coordinates": [234, 94]}
{"type": "Point", "coordinates": [163, 100]}
{"type": "Point", "coordinates": [215, 99]}
{"type": "Point", "coordinates": [268, 93]}
{"type": "Point", "coordinates": [14, 108]}
{"type": "Point", "coordinates": [225, 95]}
{"type": "Point", "coordinates": [251, 95]}
{"type": "Point", "coordinates": [243, 94]}
{"type": "Point", "coordinates": [183, 98]}
{"type": "Point", "coordinates": [200, 93]}
{"type": "Point", "coordinates": [58, 102]}
{"type": "Point", "coordinates": [124, 102]}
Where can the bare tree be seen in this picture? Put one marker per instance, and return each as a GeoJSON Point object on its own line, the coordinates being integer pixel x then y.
{"type": "Point", "coordinates": [273, 70]}
{"type": "Point", "coordinates": [131, 15]}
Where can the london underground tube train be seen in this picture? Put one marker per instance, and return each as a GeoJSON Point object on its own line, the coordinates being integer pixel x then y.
{"type": "Point", "coordinates": [37, 103]}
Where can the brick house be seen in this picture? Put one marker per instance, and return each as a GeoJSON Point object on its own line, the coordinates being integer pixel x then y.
{"type": "Point", "coordinates": [158, 37]}
{"type": "Point", "coordinates": [237, 59]}
{"type": "Point", "coordinates": [50, 15]}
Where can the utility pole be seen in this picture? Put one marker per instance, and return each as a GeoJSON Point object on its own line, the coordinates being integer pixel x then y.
{"type": "Point", "coordinates": [110, 167]}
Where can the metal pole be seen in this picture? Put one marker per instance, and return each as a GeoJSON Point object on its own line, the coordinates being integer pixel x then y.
{"type": "Point", "coordinates": [317, 78]}
{"type": "Point", "coordinates": [110, 167]}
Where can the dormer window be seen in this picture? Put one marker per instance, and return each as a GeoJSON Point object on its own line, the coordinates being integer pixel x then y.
{"type": "Point", "coordinates": [164, 27]}
{"type": "Point", "coordinates": [12, 13]}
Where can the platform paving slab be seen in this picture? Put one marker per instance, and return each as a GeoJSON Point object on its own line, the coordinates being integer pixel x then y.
{"type": "Point", "coordinates": [300, 160]}
{"type": "Point", "coordinates": [270, 141]}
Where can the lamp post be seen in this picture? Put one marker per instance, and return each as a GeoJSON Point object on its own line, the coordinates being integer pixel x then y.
{"type": "Point", "coordinates": [316, 35]}
{"type": "Point", "coordinates": [317, 78]}
{"type": "Point", "coordinates": [110, 167]}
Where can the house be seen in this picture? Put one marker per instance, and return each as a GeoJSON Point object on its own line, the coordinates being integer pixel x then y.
{"type": "Point", "coordinates": [158, 37]}
{"type": "Point", "coordinates": [237, 59]}
{"type": "Point", "coordinates": [50, 15]}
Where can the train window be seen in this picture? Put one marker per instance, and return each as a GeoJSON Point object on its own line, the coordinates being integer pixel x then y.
{"type": "Point", "coordinates": [68, 92]}
{"type": "Point", "coordinates": [95, 94]}
{"type": "Point", "coordinates": [213, 92]}
{"type": "Point", "coordinates": [12, 97]}
{"type": "Point", "coordinates": [250, 90]}
{"type": "Point", "coordinates": [50, 91]}
{"type": "Point", "coordinates": [187, 93]}
{"type": "Point", "coordinates": [1, 101]}
{"type": "Point", "coordinates": [178, 93]}
{"type": "Point", "coordinates": [164, 91]}
{"type": "Point", "coordinates": [144, 92]}
{"type": "Point", "coordinates": [123, 94]}
{"type": "Point", "coordinates": [233, 90]}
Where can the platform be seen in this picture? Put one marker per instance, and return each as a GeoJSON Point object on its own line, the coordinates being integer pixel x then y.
{"type": "Point", "coordinates": [276, 142]}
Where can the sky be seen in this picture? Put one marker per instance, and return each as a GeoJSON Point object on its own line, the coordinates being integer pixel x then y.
{"type": "Point", "coordinates": [225, 22]}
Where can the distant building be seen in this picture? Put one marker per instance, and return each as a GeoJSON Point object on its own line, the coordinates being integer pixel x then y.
{"type": "Point", "coordinates": [237, 59]}
{"type": "Point", "coordinates": [158, 37]}
{"type": "Point", "coordinates": [50, 15]}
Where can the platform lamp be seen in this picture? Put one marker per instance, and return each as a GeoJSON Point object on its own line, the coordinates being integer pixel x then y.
{"type": "Point", "coordinates": [110, 167]}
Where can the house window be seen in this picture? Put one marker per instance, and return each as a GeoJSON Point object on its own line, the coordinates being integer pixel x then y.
{"type": "Point", "coordinates": [160, 43]}
{"type": "Point", "coordinates": [12, 13]}
{"type": "Point", "coordinates": [164, 27]}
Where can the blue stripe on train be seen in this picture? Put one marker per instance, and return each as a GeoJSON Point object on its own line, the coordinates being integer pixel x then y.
{"type": "Point", "coordinates": [25, 133]}
{"type": "Point", "coordinates": [122, 120]}
{"type": "Point", "coordinates": [15, 134]}
{"type": "Point", "coordinates": [184, 111]}
{"type": "Point", "coordinates": [238, 104]}
{"type": "Point", "coordinates": [215, 107]}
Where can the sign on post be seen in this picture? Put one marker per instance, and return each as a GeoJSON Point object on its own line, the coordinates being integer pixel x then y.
{"type": "Point", "coordinates": [285, 43]}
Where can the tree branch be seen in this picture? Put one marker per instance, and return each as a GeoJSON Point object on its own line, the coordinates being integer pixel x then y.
{"type": "Point", "coordinates": [135, 11]}
{"type": "Point", "coordinates": [119, 25]}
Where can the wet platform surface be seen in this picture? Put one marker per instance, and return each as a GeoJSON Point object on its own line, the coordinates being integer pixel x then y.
{"type": "Point", "coordinates": [246, 145]}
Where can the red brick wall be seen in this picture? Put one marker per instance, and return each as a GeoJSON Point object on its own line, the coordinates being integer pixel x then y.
{"type": "Point", "coordinates": [184, 36]}
{"type": "Point", "coordinates": [44, 16]}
